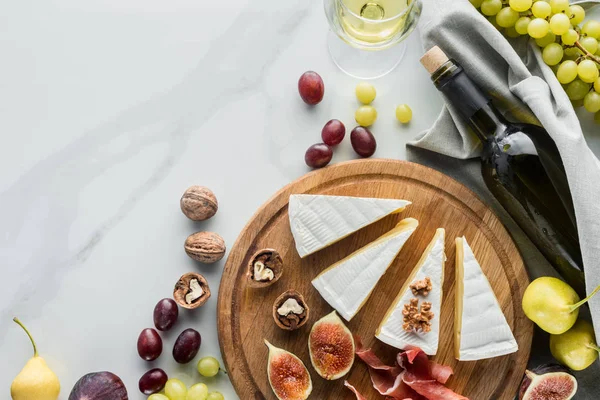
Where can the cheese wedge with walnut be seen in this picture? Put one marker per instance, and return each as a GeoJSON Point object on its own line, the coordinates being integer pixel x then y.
{"type": "Point", "coordinates": [318, 221]}
{"type": "Point", "coordinates": [413, 319]}
{"type": "Point", "coordinates": [347, 284]}
{"type": "Point", "coordinates": [480, 328]}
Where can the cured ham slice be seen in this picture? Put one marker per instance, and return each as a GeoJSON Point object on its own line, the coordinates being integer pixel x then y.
{"type": "Point", "coordinates": [358, 395]}
{"type": "Point", "coordinates": [413, 377]}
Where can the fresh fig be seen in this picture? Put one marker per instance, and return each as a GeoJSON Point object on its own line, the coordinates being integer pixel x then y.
{"type": "Point", "coordinates": [548, 381]}
{"type": "Point", "coordinates": [287, 374]}
{"type": "Point", "coordinates": [331, 347]}
{"type": "Point", "coordinates": [99, 386]}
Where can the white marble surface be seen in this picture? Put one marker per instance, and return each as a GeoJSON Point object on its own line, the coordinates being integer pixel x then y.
{"type": "Point", "coordinates": [109, 110]}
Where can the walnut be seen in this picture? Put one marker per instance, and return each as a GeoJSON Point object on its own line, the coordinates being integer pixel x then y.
{"type": "Point", "coordinates": [191, 291]}
{"type": "Point", "coordinates": [206, 247]}
{"type": "Point", "coordinates": [290, 311]}
{"type": "Point", "coordinates": [199, 203]}
{"type": "Point", "coordinates": [422, 287]}
{"type": "Point", "coordinates": [265, 268]}
{"type": "Point", "coordinates": [417, 318]}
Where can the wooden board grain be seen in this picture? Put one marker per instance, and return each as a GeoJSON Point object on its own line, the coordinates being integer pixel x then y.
{"type": "Point", "coordinates": [244, 314]}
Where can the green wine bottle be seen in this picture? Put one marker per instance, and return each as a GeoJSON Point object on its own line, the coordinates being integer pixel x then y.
{"type": "Point", "coordinates": [521, 167]}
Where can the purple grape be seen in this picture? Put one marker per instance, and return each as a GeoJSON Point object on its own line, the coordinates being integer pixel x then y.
{"type": "Point", "coordinates": [153, 381]}
{"type": "Point", "coordinates": [186, 346]}
{"type": "Point", "coordinates": [363, 141]}
{"type": "Point", "coordinates": [333, 132]}
{"type": "Point", "coordinates": [318, 155]}
{"type": "Point", "coordinates": [149, 344]}
{"type": "Point", "coordinates": [311, 87]}
{"type": "Point", "coordinates": [165, 314]}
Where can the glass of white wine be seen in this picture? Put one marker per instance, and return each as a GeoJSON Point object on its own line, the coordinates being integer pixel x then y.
{"type": "Point", "coordinates": [366, 35]}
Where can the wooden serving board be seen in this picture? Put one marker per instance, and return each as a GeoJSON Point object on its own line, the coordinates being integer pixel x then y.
{"type": "Point", "coordinates": [245, 314]}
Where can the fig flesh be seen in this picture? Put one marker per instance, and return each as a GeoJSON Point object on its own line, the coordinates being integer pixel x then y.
{"type": "Point", "coordinates": [99, 386]}
{"type": "Point", "coordinates": [331, 347]}
{"type": "Point", "coordinates": [287, 374]}
{"type": "Point", "coordinates": [548, 382]}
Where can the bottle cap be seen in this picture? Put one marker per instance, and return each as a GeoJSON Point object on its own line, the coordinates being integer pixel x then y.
{"type": "Point", "coordinates": [434, 59]}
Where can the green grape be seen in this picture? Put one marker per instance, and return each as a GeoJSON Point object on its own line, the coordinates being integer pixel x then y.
{"type": "Point", "coordinates": [199, 391]}
{"type": "Point", "coordinates": [570, 37]}
{"type": "Point", "coordinates": [175, 389]}
{"type": "Point", "coordinates": [552, 54]}
{"type": "Point", "coordinates": [522, 24]}
{"type": "Point", "coordinates": [589, 43]}
{"type": "Point", "coordinates": [512, 32]}
{"type": "Point", "coordinates": [597, 118]}
{"type": "Point", "coordinates": [365, 115]}
{"type": "Point", "coordinates": [215, 396]}
{"type": "Point", "coordinates": [572, 52]}
{"type": "Point", "coordinates": [588, 71]}
{"type": "Point", "coordinates": [491, 7]}
{"type": "Point", "coordinates": [597, 85]}
{"type": "Point", "coordinates": [591, 102]}
{"type": "Point", "coordinates": [577, 103]}
{"type": "Point", "coordinates": [591, 28]}
{"type": "Point", "coordinates": [560, 24]}
{"type": "Point", "coordinates": [546, 40]}
{"type": "Point", "coordinates": [157, 396]}
{"type": "Point", "coordinates": [577, 89]}
{"type": "Point", "coordinates": [520, 5]}
{"type": "Point", "coordinates": [365, 92]}
{"type": "Point", "coordinates": [538, 28]}
{"type": "Point", "coordinates": [507, 17]}
{"type": "Point", "coordinates": [567, 72]}
{"type": "Point", "coordinates": [476, 3]}
{"type": "Point", "coordinates": [559, 6]}
{"type": "Point", "coordinates": [494, 23]}
{"type": "Point", "coordinates": [541, 9]}
{"type": "Point", "coordinates": [403, 113]}
{"type": "Point", "coordinates": [208, 366]}
{"type": "Point", "coordinates": [578, 14]}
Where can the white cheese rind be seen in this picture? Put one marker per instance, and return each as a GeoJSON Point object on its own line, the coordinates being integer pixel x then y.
{"type": "Point", "coordinates": [430, 265]}
{"type": "Point", "coordinates": [484, 331]}
{"type": "Point", "coordinates": [318, 221]}
{"type": "Point", "coordinates": [347, 284]}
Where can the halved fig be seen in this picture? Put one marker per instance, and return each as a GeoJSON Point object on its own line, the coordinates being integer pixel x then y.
{"type": "Point", "coordinates": [287, 374]}
{"type": "Point", "coordinates": [331, 347]}
{"type": "Point", "coordinates": [548, 381]}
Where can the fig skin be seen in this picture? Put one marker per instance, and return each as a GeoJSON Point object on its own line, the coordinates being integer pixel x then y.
{"type": "Point", "coordinates": [551, 376]}
{"type": "Point", "coordinates": [331, 347]}
{"type": "Point", "coordinates": [288, 376]}
{"type": "Point", "coordinates": [102, 385]}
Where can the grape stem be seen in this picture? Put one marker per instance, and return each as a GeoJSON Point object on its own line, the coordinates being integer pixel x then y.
{"type": "Point", "coordinates": [587, 53]}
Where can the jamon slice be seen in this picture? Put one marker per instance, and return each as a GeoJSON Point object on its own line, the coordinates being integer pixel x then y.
{"type": "Point", "coordinates": [353, 389]}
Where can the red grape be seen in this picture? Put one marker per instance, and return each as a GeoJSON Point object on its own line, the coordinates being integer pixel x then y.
{"type": "Point", "coordinates": [363, 141]}
{"type": "Point", "coordinates": [333, 132]}
{"type": "Point", "coordinates": [149, 344]}
{"type": "Point", "coordinates": [153, 381]}
{"type": "Point", "coordinates": [318, 155]}
{"type": "Point", "coordinates": [311, 87]}
{"type": "Point", "coordinates": [186, 346]}
{"type": "Point", "coordinates": [165, 314]}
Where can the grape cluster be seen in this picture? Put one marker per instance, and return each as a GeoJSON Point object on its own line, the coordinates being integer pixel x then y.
{"type": "Point", "coordinates": [568, 47]}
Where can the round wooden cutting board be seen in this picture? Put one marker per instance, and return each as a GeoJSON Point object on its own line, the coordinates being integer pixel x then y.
{"type": "Point", "coordinates": [245, 314]}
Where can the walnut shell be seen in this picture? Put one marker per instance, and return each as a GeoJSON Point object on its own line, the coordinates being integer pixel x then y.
{"type": "Point", "coordinates": [292, 321]}
{"type": "Point", "coordinates": [182, 288]}
{"type": "Point", "coordinates": [199, 203]}
{"type": "Point", "coordinates": [272, 260]}
{"type": "Point", "coordinates": [206, 247]}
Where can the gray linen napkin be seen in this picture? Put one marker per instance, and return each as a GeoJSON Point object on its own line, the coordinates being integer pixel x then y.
{"type": "Point", "coordinates": [514, 74]}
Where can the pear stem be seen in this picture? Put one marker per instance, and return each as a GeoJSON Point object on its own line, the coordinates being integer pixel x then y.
{"type": "Point", "coordinates": [582, 302]}
{"type": "Point", "coordinates": [35, 352]}
{"type": "Point", "coordinates": [593, 346]}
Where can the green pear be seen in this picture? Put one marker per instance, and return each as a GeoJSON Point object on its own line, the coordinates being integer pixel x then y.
{"type": "Point", "coordinates": [552, 304]}
{"type": "Point", "coordinates": [576, 348]}
{"type": "Point", "coordinates": [35, 381]}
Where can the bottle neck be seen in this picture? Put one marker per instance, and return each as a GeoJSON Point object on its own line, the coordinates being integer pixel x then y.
{"type": "Point", "coordinates": [466, 98]}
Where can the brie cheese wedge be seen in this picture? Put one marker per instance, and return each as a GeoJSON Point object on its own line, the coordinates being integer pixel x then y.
{"type": "Point", "coordinates": [319, 221]}
{"type": "Point", "coordinates": [431, 265]}
{"type": "Point", "coordinates": [347, 284]}
{"type": "Point", "coordinates": [480, 328]}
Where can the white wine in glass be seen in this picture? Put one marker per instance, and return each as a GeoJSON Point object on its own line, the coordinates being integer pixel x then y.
{"type": "Point", "coordinates": [369, 25]}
